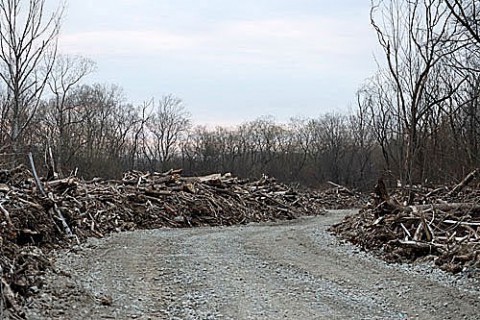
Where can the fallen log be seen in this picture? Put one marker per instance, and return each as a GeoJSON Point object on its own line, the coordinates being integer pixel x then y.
{"type": "Point", "coordinates": [462, 223]}
{"type": "Point", "coordinates": [419, 245]}
{"type": "Point", "coordinates": [464, 182]}
{"type": "Point", "coordinates": [345, 189]}
{"type": "Point", "coordinates": [465, 207]}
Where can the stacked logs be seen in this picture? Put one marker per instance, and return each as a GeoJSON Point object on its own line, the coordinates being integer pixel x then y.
{"type": "Point", "coordinates": [439, 224]}
{"type": "Point", "coordinates": [37, 216]}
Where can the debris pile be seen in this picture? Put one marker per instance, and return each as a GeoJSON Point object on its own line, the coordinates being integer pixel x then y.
{"type": "Point", "coordinates": [37, 216]}
{"type": "Point", "coordinates": [340, 197]}
{"type": "Point", "coordinates": [441, 224]}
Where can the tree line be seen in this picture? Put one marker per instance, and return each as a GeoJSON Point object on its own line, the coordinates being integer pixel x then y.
{"type": "Point", "coordinates": [416, 119]}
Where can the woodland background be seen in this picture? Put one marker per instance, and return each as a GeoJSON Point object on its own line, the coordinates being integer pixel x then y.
{"type": "Point", "coordinates": [416, 120]}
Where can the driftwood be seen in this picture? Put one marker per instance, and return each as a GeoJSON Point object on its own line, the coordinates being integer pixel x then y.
{"type": "Point", "coordinates": [340, 187]}
{"type": "Point", "coordinates": [440, 224]}
{"type": "Point", "coordinates": [467, 207]}
{"type": "Point", "coordinates": [54, 208]}
{"type": "Point", "coordinates": [35, 175]}
{"type": "Point", "coordinates": [464, 182]}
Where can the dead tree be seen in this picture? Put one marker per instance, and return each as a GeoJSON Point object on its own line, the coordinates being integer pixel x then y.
{"type": "Point", "coordinates": [167, 124]}
{"type": "Point", "coordinates": [66, 73]}
{"type": "Point", "coordinates": [28, 47]}
{"type": "Point", "coordinates": [413, 36]}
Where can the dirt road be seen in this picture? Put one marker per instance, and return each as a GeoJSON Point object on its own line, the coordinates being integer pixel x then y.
{"type": "Point", "coordinates": [288, 270]}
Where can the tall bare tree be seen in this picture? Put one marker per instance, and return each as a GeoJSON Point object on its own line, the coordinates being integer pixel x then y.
{"type": "Point", "coordinates": [28, 46]}
{"type": "Point", "coordinates": [167, 124]}
{"type": "Point", "coordinates": [415, 37]}
{"type": "Point", "coordinates": [66, 73]}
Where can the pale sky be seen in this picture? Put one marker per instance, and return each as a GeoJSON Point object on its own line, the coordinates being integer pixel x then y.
{"type": "Point", "coordinates": [229, 61]}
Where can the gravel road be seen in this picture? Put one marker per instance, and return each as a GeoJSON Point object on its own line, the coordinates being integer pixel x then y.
{"type": "Point", "coordinates": [286, 270]}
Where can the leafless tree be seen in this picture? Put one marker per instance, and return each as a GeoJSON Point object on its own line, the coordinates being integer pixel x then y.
{"type": "Point", "coordinates": [467, 14]}
{"type": "Point", "coordinates": [66, 73]}
{"type": "Point", "coordinates": [363, 144]}
{"type": "Point", "coordinates": [169, 121]}
{"type": "Point", "coordinates": [28, 46]}
{"type": "Point", "coordinates": [301, 137]}
{"type": "Point", "coordinates": [138, 140]}
{"type": "Point", "coordinates": [414, 36]}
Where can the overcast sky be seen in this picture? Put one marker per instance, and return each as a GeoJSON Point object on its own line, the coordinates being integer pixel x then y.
{"type": "Point", "coordinates": [229, 61]}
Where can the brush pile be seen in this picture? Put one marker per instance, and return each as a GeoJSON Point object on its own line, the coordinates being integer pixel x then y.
{"type": "Point", "coordinates": [441, 224]}
{"type": "Point", "coordinates": [37, 216]}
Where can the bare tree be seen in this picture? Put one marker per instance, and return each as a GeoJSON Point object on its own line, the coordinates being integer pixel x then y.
{"type": "Point", "coordinates": [363, 143]}
{"type": "Point", "coordinates": [467, 14]}
{"type": "Point", "coordinates": [414, 36]}
{"type": "Point", "coordinates": [139, 137]}
{"type": "Point", "coordinates": [301, 136]}
{"type": "Point", "coordinates": [167, 124]}
{"type": "Point", "coordinates": [66, 73]}
{"type": "Point", "coordinates": [334, 135]}
{"type": "Point", "coordinates": [28, 45]}
{"type": "Point", "coordinates": [376, 100]}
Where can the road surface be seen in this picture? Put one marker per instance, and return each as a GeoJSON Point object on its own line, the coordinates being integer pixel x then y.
{"type": "Point", "coordinates": [285, 270]}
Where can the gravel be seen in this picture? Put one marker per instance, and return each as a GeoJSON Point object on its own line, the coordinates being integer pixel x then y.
{"type": "Point", "coordinates": [283, 270]}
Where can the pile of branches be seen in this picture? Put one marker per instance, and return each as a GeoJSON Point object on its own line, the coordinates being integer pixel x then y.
{"type": "Point", "coordinates": [439, 224]}
{"type": "Point", "coordinates": [341, 197]}
{"type": "Point", "coordinates": [37, 216]}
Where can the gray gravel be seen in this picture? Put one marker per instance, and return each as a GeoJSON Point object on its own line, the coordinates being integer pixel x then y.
{"type": "Point", "coordinates": [286, 270]}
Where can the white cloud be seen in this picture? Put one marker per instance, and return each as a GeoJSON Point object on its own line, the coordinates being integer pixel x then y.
{"type": "Point", "coordinates": [306, 41]}
{"type": "Point", "coordinates": [123, 42]}
{"type": "Point", "coordinates": [312, 42]}
{"type": "Point", "coordinates": [224, 65]}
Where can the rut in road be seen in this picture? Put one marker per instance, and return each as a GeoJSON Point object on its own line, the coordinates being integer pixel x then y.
{"type": "Point", "coordinates": [287, 270]}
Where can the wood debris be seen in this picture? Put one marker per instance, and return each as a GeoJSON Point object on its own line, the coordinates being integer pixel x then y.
{"type": "Point", "coordinates": [441, 224]}
{"type": "Point", "coordinates": [37, 216]}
